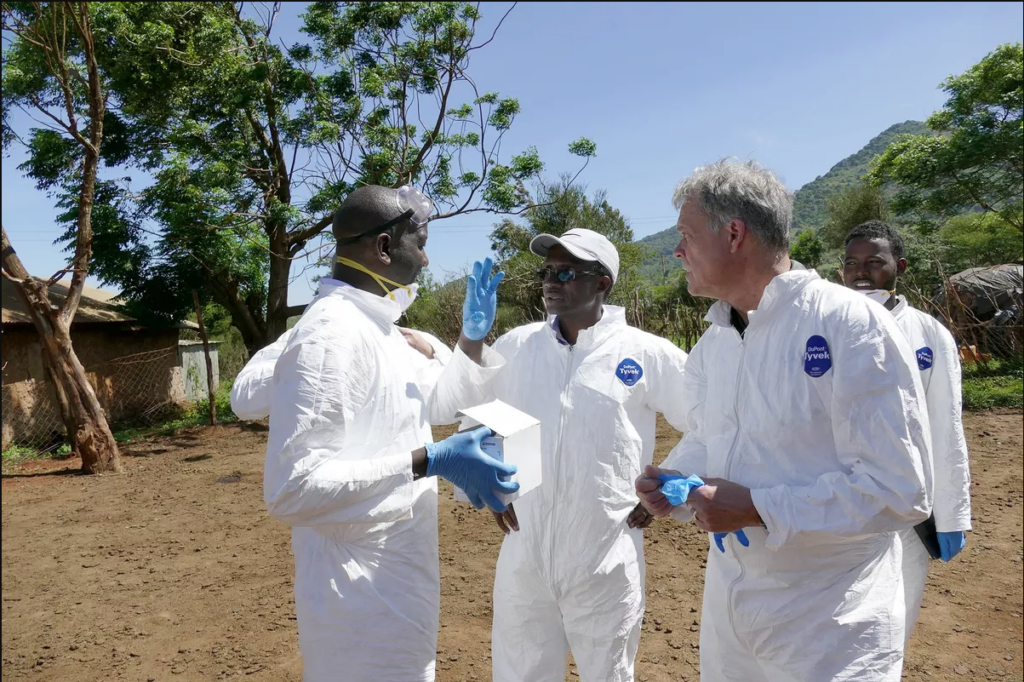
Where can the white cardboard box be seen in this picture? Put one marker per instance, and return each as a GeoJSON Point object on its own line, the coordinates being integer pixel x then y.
{"type": "Point", "coordinates": [517, 442]}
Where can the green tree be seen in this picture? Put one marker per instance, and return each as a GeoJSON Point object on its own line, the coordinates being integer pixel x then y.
{"type": "Point", "coordinates": [563, 206]}
{"type": "Point", "coordinates": [849, 208]}
{"type": "Point", "coordinates": [253, 145]}
{"type": "Point", "coordinates": [979, 239]}
{"type": "Point", "coordinates": [50, 68]}
{"type": "Point", "coordinates": [808, 249]}
{"type": "Point", "coordinates": [976, 160]}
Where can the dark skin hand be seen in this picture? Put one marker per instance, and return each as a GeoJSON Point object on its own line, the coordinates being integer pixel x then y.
{"type": "Point", "coordinates": [639, 517]}
{"type": "Point", "coordinates": [419, 463]}
{"type": "Point", "coordinates": [507, 522]}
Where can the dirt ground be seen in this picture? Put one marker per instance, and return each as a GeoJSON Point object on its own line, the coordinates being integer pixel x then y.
{"type": "Point", "coordinates": [173, 571]}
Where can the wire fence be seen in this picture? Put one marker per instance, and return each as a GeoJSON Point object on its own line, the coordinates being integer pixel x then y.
{"type": "Point", "coordinates": [138, 389]}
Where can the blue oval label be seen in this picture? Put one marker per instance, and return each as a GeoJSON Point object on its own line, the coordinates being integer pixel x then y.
{"type": "Point", "coordinates": [925, 357]}
{"type": "Point", "coordinates": [817, 358]}
{"type": "Point", "coordinates": [629, 371]}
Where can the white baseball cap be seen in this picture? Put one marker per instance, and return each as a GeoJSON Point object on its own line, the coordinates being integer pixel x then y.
{"type": "Point", "coordinates": [583, 244]}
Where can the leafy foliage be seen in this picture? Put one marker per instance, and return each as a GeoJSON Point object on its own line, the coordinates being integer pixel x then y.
{"type": "Point", "coordinates": [807, 249]}
{"type": "Point", "coordinates": [976, 160]}
{"type": "Point", "coordinates": [564, 205]}
{"type": "Point", "coordinates": [253, 145]}
{"type": "Point", "coordinates": [560, 207]}
{"type": "Point", "coordinates": [850, 207]}
{"type": "Point", "coordinates": [978, 239]}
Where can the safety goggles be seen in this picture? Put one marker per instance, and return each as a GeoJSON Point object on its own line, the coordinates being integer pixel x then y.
{"type": "Point", "coordinates": [565, 274]}
{"type": "Point", "coordinates": [413, 205]}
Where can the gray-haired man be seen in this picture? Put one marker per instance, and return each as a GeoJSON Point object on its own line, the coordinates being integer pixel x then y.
{"type": "Point", "coordinates": [804, 410]}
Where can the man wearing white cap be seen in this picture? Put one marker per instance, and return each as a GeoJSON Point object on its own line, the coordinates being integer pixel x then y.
{"type": "Point", "coordinates": [570, 576]}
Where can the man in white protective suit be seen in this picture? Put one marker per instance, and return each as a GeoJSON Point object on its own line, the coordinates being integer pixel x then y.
{"type": "Point", "coordinates": [350, 463]}
{"type": "Point", "coordinates": [570, 575]}
{"type": "Point", "coordinates": [805, 419]}
{"type": "Point", "coordinates": [874, 261]}
{"type": "Point", "coordinates": [252, 390]}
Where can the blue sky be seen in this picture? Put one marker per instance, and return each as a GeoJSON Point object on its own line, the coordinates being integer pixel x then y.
{"type": "Point", "coordinates": [663, 88]}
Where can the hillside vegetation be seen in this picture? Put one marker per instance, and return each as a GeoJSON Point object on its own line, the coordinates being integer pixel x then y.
{"type": "Point", "coordinates": [810, 208]}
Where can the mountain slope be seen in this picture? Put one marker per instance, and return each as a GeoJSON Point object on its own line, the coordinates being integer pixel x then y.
{"type": "Point", "coordinates": [810, 208]}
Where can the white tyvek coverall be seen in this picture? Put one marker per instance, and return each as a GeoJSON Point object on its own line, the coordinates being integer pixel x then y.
{"type": "Point", "coordinates": [837, 464]}
{"type": "Point", "coordinates": [938, 360]}
{"type": "Point", "coordinates": [251, 392]}
{"type": "Point", "coordinates": [573, 575]}
{"type": "Point", "coordinates": [347, 410]}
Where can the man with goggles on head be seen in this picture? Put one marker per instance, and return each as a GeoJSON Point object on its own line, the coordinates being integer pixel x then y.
{"type": "Point", "coordinates": [570, 576]}
{"type": "Point", "coordinates": [346, 465]}
{"type": "Point", "coordinates": [251, 391]}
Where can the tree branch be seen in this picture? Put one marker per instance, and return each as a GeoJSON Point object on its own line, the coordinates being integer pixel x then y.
{"type": "Point", "coordinates": [90, 166]}
{"type": "Point", "coordinates": [414, 169]}
{"type": "Point", "coordinates": [277, 152]}
{"type": "Point", "coordinates": [298, 239]}
{"type": "Point", "coordinates": [487, 42]}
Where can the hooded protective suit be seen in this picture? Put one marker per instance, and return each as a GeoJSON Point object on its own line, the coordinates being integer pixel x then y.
{"type": "Point", "coordinates": [573, 575]}
{"type": "Point", "coordinates": [818, 409]}
{"type": "Point", "coordinates": [344, 417]}
{"type": "Point", "coordinates": [939, 363]}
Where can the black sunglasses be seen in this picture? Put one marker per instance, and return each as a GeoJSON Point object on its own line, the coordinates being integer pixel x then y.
{"type": "Point", "coordinates": [565, 274]}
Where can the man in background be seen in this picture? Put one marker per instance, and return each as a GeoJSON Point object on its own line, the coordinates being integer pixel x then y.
{"type": "Point", "coordinates": [874, 261]}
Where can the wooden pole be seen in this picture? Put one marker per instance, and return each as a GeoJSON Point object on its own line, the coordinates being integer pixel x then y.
{"type": "Point", "coordinates": [209, 361]}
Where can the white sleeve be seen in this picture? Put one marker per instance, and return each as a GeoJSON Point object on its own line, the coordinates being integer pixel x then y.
{"type": "Point", "coordinates": [952, 506]}
{"type": "Point", "coordinates": [666, 388]}
{"type": "Point", "coordinates": [464, 383]}
{"type": "Point", "coordinates": [690, 456]}
{"type": "Point", "coordinates": [252, 390]}
{"type": "Point", "coordinates": [880, 429]}
{"type": "Point", "coordinates": [312, 475]}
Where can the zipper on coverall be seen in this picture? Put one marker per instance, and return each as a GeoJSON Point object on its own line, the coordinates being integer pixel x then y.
{"type": "Point", "coordinates": [558, 462]}
{"type": "Point", "coordinates": [731, 542]}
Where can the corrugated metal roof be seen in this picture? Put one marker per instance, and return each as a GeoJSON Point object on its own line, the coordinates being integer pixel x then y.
{"type": "Point", "coordinates": [96, 306]}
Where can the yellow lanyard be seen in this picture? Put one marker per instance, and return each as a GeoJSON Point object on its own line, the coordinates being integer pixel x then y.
{"type": "Point", "coordinates": [377, 278]}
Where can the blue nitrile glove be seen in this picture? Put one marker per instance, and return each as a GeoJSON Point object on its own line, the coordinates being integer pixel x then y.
{"type": "Point", "coordinates": [951, 544]}
{"type": "Point", "coordinates": [481, 304]}
{"type": "Point", "coordinates": [740, 535]}
{"type": "Point", "coordinates": [460, 460]}
{"type": "Point", "coordinates": [677, 489]}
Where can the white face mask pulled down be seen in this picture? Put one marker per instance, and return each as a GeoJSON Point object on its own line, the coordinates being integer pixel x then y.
{"type": "Point", "coordinates": [404, 297]}
{"type": "Point", "coordinates": [880, 296]}
{"type": "Point", "coordinates": [401, 297]}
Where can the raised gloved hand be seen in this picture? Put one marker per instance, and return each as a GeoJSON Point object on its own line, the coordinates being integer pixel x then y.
{"type": "Point", "coordinates": [951, 544]}
{"type": "Point", "coordinates": [460, 459]}
{"type": "Point", "coordinates": [677, 488]}
{"type": "Point", "coordinates": [481, 304]}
